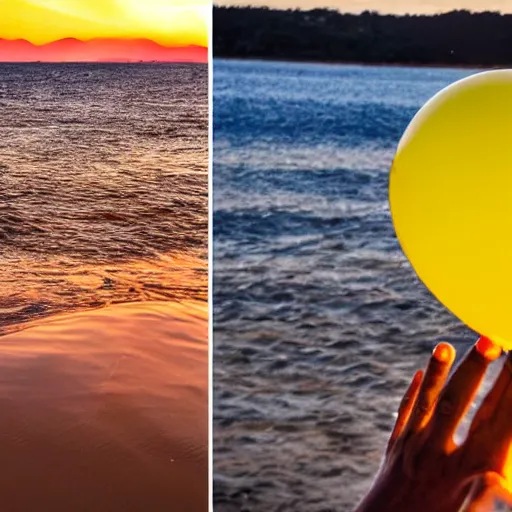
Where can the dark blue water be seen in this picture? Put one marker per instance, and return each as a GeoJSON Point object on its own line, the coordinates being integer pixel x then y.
{"type": "Point", "coordinates": [319, 320]}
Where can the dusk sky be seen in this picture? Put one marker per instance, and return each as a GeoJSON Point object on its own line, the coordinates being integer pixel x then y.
{"type": "Point", "coordinates": [385, 6]}
{"type": "Point", "coordinates": [169, 23]}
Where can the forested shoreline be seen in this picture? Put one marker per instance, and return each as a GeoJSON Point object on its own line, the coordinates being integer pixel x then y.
{"type": "Point", "coordinates": [457, 38]}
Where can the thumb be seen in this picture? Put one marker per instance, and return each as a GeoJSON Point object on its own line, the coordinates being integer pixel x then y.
{"type": "Point", "coordinates": [484, 492]}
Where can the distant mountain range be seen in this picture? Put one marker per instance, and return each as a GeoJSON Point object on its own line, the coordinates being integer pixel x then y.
{"type": "Point", "coordinates": [99, 50]}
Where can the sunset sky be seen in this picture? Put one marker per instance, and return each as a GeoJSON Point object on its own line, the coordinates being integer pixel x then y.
{"type": "Point", "coordinates": [385, 6]}
{"type": "Point", "coordinates": [170, 23]}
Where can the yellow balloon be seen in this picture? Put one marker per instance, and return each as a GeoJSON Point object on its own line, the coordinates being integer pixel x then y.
{"type": "Point", "coordinates": [450, 193]}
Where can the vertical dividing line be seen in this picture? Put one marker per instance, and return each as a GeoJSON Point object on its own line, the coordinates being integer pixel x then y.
{"type": "Point", "coordinates": [210, 260]}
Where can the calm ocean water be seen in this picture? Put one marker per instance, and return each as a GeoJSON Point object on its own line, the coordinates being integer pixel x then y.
{"type": "Point", "coordinates": [104, 186]}
{"type": "Point", "coordinates": [319, 320]}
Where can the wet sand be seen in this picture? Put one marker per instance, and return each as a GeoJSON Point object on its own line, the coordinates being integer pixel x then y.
{"type": "Point", "coordinates": [107, 411]}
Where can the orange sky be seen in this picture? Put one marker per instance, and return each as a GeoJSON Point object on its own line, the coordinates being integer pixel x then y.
{"type": "Point", "coordinates": [387, 6]}
{"type": "Point", "coordinates": [168, 22]}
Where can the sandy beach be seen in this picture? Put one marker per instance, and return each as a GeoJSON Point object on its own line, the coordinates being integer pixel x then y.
{"type": "Point", "coordinates": [106, 410]}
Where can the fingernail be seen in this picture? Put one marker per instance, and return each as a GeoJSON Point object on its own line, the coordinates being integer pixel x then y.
{"type": "Point", "coordinates": [443, 352]}
{"type": "Point", "coordinates": [488, 349]}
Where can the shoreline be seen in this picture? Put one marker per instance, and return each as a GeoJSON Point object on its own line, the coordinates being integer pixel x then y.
{"type": "Point", "coordinates": [171, 307]}
{"type": "Point", "coordinates": [354, 63]}
{"type": "Point", "coordinates": [42, 320]}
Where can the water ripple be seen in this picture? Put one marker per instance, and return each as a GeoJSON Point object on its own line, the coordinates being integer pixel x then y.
{"type": "Point", "coordinates": [319, 320]}
{"type": "Point", "coordinates": [103, 196]}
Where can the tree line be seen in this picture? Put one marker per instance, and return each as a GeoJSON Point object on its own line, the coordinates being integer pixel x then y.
{"type": "Point", "coordinates": [457, 38]}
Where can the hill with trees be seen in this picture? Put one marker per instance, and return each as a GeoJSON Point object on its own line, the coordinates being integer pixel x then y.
{"type": "Point", "coordinates": [457, 38]}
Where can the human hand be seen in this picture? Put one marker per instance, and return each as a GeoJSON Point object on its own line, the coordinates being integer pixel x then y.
{"type": "Point", "coordinates": [423, 468]}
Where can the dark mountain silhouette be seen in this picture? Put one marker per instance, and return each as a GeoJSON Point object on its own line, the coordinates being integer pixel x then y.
{"type": "Point", "coordinates": [98, 50]}
{"type": "Point", "coordinates": [457, 38]}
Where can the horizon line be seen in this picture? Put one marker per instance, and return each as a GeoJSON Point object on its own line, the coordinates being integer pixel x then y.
{"type": "Point", "coordinates": [120, 61]}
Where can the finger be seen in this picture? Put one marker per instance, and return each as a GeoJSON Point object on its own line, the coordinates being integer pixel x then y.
{"type": "Point", "coordinates": [484, 492]}
{"type": "Point", "coordinates": [499, 487]}
{"type": "Point", "coordinates": [405, 408]}
{"type": "Point", "coordinates": [491, 402]}
{"type": "Point", "coordinates": [490, 435]}
{"type": "Point", "coordinates": [433, 381]}
{"type": "Point", "coordinates": [459, 392]}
